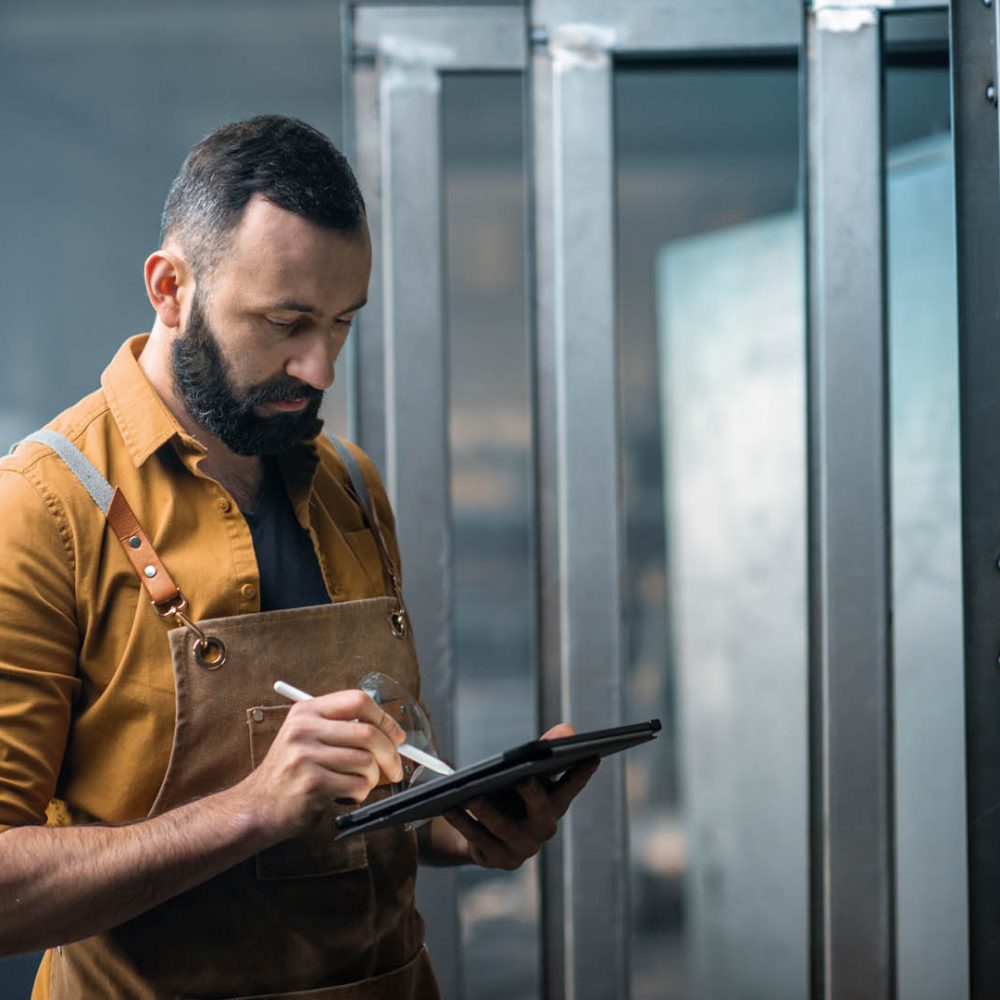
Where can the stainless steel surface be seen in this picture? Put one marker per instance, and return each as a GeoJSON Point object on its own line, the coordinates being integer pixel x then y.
{"type": "Point", "coordinates": [369, 328]}
{"type": "Point", "coordinates": [416, 409]}
{"type": "Point", "coordinates": [674, 26]}
{"type": "Point", "coordinates": [888, 6]}
{"type": "Point", "coordinates": [853, 865]}
{"type": "Point", "coordinates": [449, 39]}
{"type": "Point", "coordinates": [542, 263]}
{"type": "Point", "coordinates": [974, 34]}
{"type": "Point", "coordinates": [578, 484]}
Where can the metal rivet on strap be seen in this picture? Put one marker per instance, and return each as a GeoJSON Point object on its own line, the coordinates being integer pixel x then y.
{"type": "Point", "coordinates": [258, 715]}
{"type": "Point", "coordinates": [150, 571]}
{"type": "Point", "coordinates": [135, 542]}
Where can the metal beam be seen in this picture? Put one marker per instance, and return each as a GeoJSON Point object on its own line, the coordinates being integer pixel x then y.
{"type": "Point", "coordinates": [974, 34]}
{"type": "Point", "coordinates": [476, 39]}
{"type": "Point", "coordinates": [665, 27]}
{"type": "Point", "coordinates": [578, 482]}
{"type": "Point", "coordinates": [850, 566]}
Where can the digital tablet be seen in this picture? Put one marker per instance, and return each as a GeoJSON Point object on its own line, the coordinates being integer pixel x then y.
{"type": "Point", "coordinates": [494, 776]}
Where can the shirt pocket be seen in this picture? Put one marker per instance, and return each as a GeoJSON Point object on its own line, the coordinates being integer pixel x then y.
{"type": "Point", "coordinates": [316, 852]}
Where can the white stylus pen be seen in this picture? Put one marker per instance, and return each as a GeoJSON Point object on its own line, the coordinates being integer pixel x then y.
{"type": "Point", "coordinates": [404, 749]}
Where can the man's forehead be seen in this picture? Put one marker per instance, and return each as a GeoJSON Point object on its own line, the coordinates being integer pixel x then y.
{"type": "Point", "coordinates": [286, 257]}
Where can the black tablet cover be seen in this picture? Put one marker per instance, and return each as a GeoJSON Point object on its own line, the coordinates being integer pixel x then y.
{"type": "Point", "coordinates": [539, 758]}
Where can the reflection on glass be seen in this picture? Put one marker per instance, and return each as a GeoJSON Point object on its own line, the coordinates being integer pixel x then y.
{"type": "Point", "coordinates": [490, 430]}
{"type": "Point", "coordinates": [711, 328]}
{"type": "Point", "coordinates": [932, 932]}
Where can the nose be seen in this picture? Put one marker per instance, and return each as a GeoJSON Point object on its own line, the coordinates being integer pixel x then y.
{"type": "Point", "coordinates": [313, 364]}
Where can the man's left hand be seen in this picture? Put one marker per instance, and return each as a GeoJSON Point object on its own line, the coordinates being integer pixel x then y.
{"type": "Point", "coordinates": [495, 839]}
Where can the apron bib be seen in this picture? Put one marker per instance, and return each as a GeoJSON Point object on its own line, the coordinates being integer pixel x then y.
{"type": "Point", "coordinates": [310, 917]}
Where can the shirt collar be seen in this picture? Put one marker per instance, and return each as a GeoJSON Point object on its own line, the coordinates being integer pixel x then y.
{"type": "Point", "coordinates": [144, 421]}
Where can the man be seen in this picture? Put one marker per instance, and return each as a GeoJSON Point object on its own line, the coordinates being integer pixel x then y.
{"type": "Point", "coordinates": [166, 821]}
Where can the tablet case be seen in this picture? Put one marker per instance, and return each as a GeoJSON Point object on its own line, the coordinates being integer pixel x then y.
{"type": "Point", "coordinates": [539, 758]}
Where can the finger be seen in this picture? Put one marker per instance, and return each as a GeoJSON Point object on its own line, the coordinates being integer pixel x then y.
{"type": "Point", "coordinates": [363, 736]}
{"type": "Point", "coordinates": [541, 815]}
{"type": "Point", "coordinates": [559, 731]}
{"type": "Point", "coordinates": [355, 704]}
{"type": "Point", "coordinates": [350, 762]}
{"type": "Point", "coordinates": [484, 848]}
{"type": "Point", "coordinates": [518, 837]}
{"type": "Point", "coordinates": [571, 784]}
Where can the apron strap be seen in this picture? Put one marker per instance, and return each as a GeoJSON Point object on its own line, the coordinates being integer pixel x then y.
{"type": "Point", "coordinates": [358, 488]}
{"type": "Point", "coordinates": [350, 463]}
{"type": "Point", "coordinates": [112, 504]}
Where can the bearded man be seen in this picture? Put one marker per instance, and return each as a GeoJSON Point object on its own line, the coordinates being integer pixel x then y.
{"type": "Point", "coordinates": [173, 544]}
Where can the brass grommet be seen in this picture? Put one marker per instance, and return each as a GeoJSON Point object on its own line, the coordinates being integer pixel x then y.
{"type": "Point", "coordinates": [210, 652]}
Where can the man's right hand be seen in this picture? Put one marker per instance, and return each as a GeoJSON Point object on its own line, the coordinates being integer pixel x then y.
{"type": "Point", "coordinates": [58, 884]}
{"type": "Point", "coordinates": [336, 746]}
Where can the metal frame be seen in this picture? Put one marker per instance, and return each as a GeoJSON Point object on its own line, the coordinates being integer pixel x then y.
{"type": "Point", "coordinates": [577, 430]}
{"type": "Point", "coordinates": [398, 55]}
{"type": "Point", "coordinates": [850, 564]}
{"type": "Point", "coordinates": [975, 29]}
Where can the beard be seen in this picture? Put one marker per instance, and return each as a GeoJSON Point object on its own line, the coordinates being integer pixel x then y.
{"type": "Point", "coordinates": [203, 380]}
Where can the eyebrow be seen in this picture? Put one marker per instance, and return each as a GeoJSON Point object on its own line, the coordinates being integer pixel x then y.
{"type": "Point", "coordinates": [292, 306]}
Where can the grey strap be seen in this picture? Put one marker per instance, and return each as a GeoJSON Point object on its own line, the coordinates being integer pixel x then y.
{"type": "Point", "coordinates": [354, 471]}
{"type": "Point", "coordinates": [96, 485]}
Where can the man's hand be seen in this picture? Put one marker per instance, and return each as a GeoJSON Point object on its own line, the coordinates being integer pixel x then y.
{"type": "Point", "coordinates": [495, 839]}
{"type": "Point", "coordinates": [337, 746]}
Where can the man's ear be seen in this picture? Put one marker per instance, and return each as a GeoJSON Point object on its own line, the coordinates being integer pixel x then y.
{"type": "Point", "coordinates": [168, 283]}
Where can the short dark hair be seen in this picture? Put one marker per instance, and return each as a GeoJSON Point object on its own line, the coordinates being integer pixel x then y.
{"type": "Point", "coordinates": [283, 159]}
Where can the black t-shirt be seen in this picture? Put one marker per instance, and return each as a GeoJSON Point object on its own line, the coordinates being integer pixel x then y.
{"type": "Point", "coordinates": [290, 576]}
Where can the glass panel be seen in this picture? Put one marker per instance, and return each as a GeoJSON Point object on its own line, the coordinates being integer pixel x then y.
{"type": "Point", "coordinates": [490, 428]}
{"type": "Point", "coordinates": [931, 879]}
{"type": "Point", "coordinates": [711, 327]}
{"type": "Point", "coordinates": [98, 107]}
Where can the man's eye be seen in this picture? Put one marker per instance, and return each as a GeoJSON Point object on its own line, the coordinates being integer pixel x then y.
{"type": "Point", "coordinates": [282, 324]}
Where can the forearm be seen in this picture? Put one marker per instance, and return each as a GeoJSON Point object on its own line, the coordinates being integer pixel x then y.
{"type": "Point", "coordinates": [60, 884]}
{"type": "Point", "coordinates": [440, 845]}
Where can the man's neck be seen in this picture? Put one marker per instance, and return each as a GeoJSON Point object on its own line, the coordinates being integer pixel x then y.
{"type": "Point", "coordinates": [241, 475]}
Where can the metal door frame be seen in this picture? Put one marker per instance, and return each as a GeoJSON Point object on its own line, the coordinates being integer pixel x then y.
{"type": "Point", "coordinates": [575, 44]}
{"type": "Point", "coordinates": [398, 55]}
{"type": "Point", "coordinates": [975, 30]}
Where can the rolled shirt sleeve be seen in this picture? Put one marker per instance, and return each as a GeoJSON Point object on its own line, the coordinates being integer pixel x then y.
{"type": "Point", "coordinates": [39, 647]}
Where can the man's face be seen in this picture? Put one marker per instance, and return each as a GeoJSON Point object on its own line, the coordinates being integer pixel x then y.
{"type": "Point", "coordinates": [258, 347]}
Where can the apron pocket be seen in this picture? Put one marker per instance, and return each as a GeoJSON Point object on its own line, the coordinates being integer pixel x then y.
{"type": "Point", "coordinates": [310, 854]}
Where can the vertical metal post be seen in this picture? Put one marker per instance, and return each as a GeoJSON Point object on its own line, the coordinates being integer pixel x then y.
{"type": "Point", "coordinates": [416, 417]}
{"type": "Point", "coordinates": [850, 568]}
{"type": "Point", "coordinates": [579, 488]}
{"type": "Point", "coordinates": [369, 331]}
{"type": "Point", "coordinates": [974, 34]}
{"type": "Point", "coordinates": [546, 508]}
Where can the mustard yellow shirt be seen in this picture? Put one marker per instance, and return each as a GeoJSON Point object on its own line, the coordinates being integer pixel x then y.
{"type": "Point", "coordinates": [86, 682]}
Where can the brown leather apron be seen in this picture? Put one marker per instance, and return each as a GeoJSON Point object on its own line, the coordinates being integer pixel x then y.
{"type": "Point", "coordinates": [309, 917]}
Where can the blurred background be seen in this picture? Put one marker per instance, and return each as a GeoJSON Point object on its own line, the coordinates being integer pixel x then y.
{"type": "Point", "coordinates": [98, 106]}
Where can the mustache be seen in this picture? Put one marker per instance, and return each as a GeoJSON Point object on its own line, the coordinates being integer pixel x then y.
{"type": "Point", "coordinates": [281, 390]}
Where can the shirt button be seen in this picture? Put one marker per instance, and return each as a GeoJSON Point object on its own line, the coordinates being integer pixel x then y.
{"type": "Point", "coordinates": [249, 591]}
{"type": "Point", "coordinates": [224, 505]}
{"type": "Point", "coordinates": [258, 715]}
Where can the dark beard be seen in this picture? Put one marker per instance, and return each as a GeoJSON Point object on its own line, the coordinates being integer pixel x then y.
{"type": "Point", "coordinates": [202, 380]}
